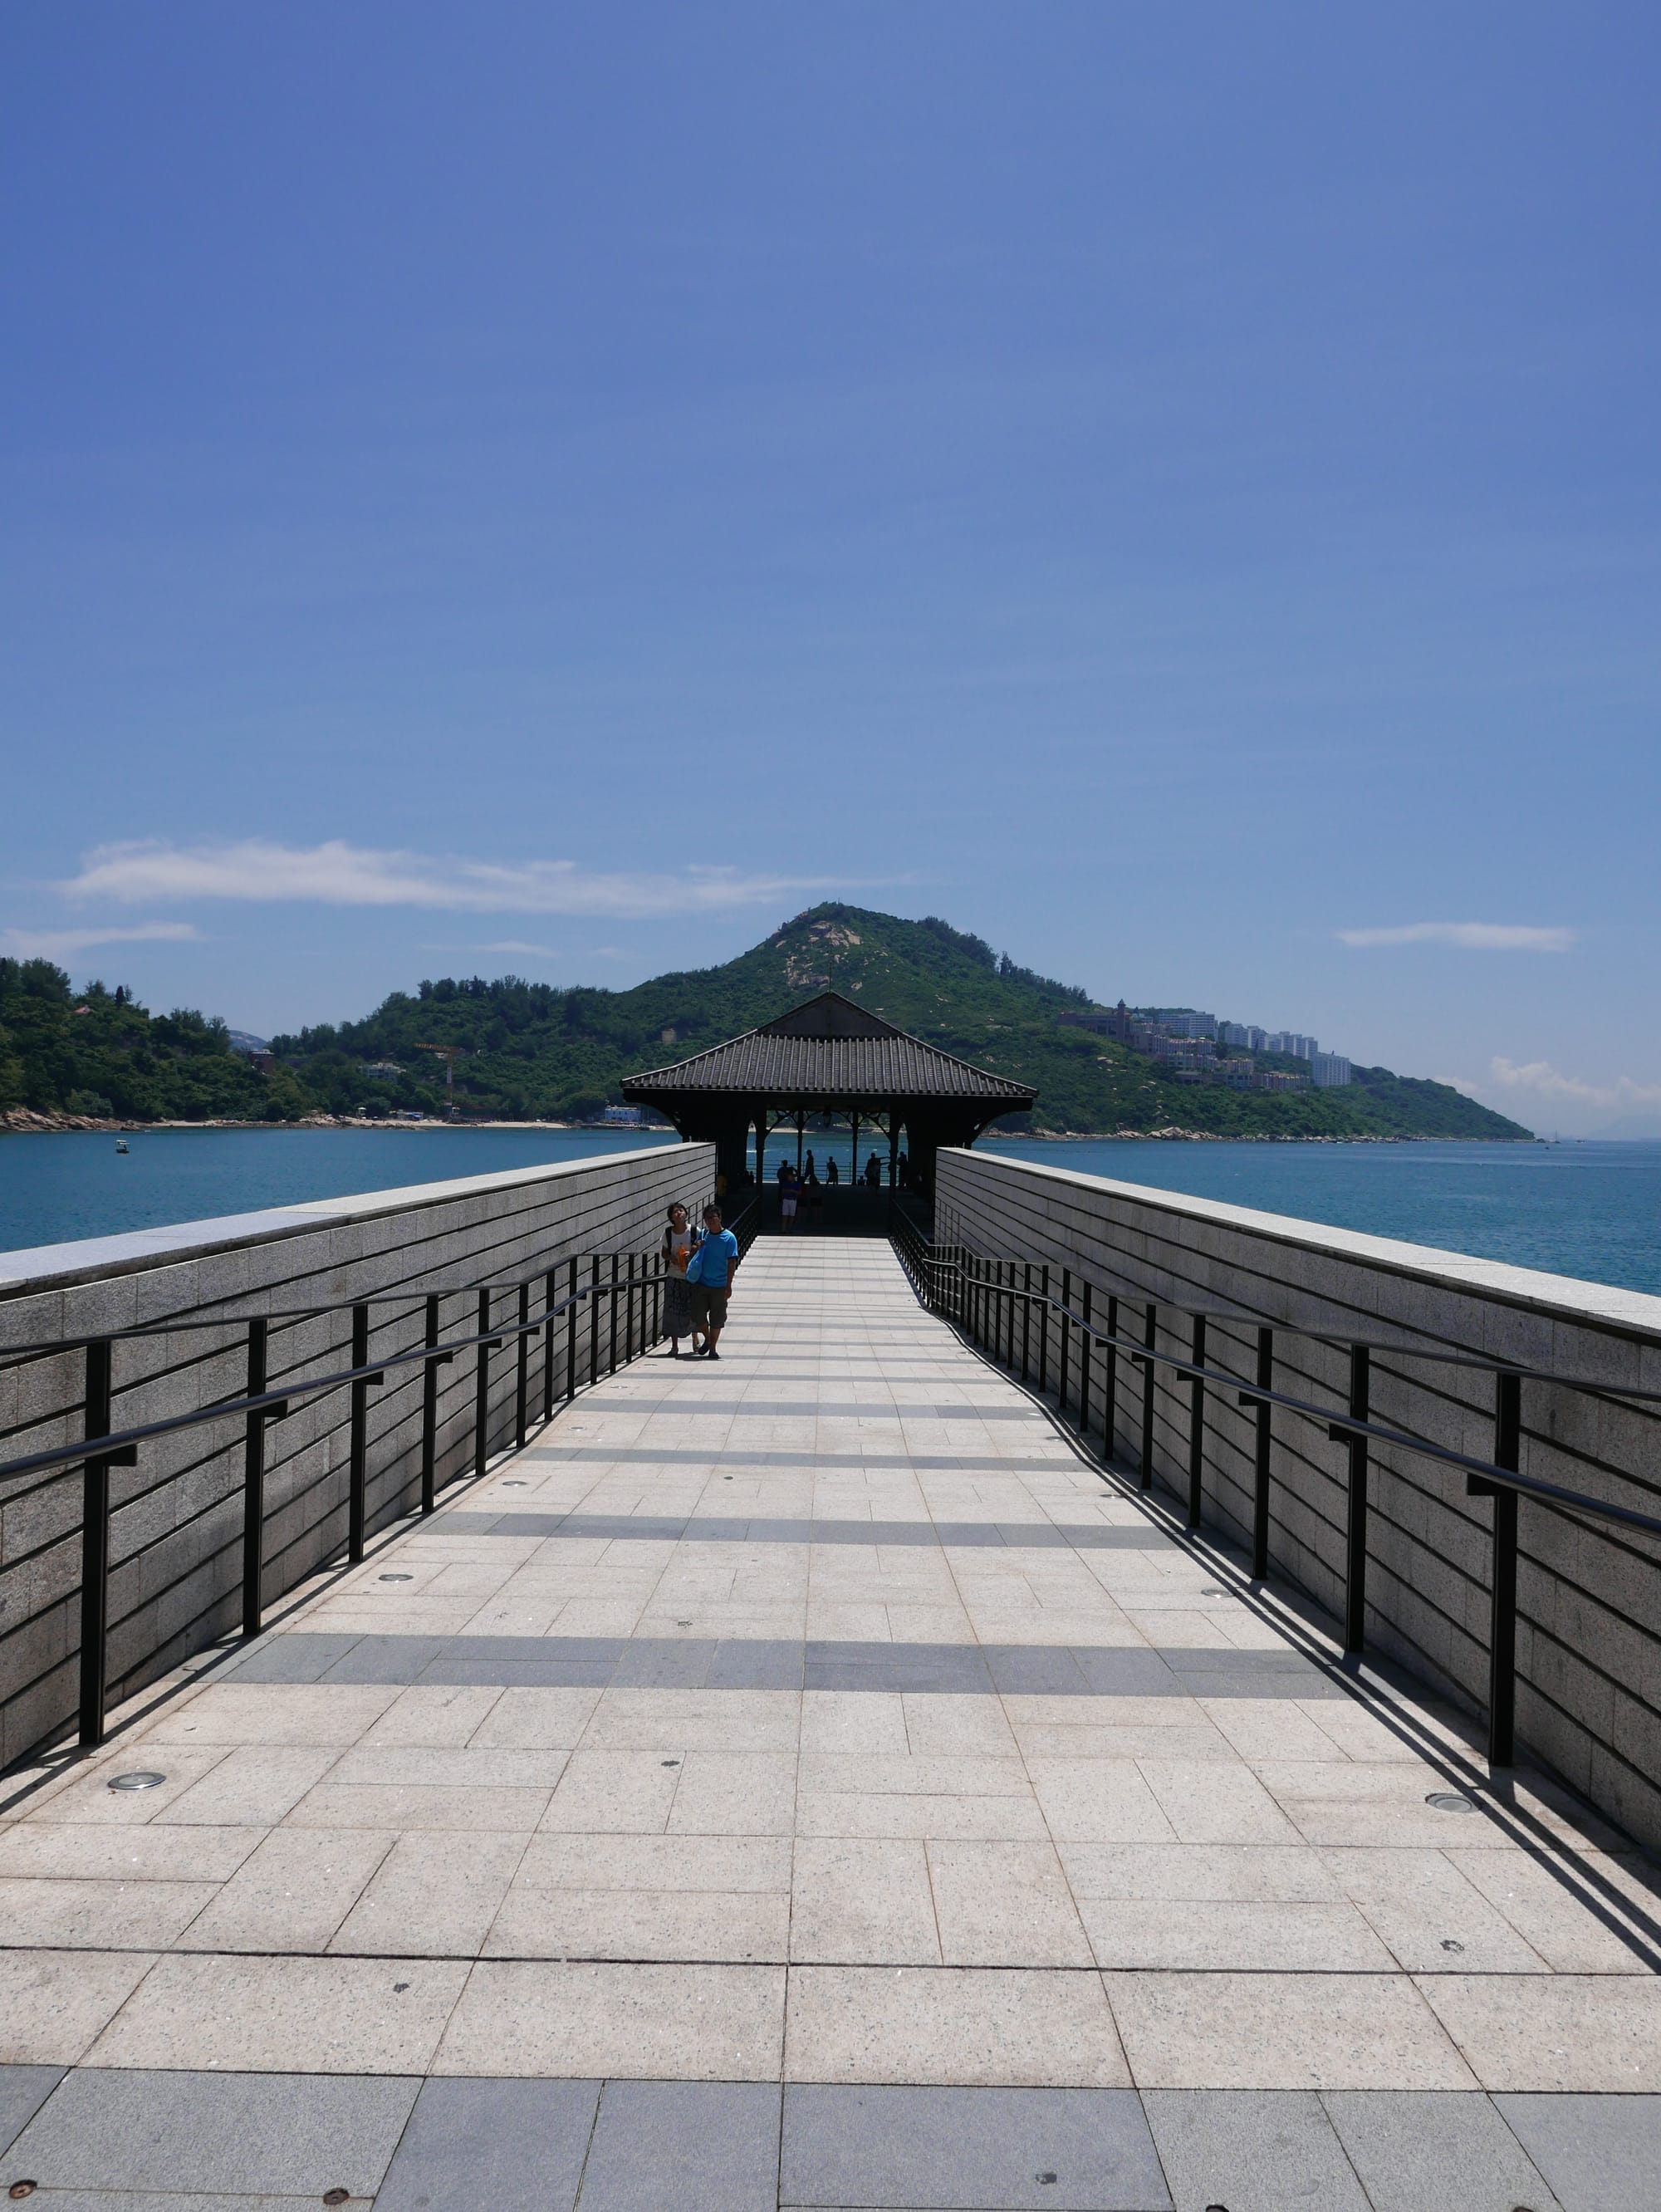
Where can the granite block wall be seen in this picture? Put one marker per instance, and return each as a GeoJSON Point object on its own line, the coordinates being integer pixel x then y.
{"type": "Point", "coordinates": [176, 1519]}
{"type": "Point", "coordinates": [1589, 1635]}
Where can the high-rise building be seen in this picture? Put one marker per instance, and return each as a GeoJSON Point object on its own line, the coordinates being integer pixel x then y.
{"type": "Point", "coordinates": [1329, 1071]}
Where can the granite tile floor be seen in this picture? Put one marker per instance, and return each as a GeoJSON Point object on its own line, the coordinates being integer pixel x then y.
{"type": "Point", "coordinates": [805, 1780]}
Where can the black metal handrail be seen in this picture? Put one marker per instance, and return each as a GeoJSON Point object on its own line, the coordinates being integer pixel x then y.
{"type": "Point", "coordinates": [260, 1405]}
{"type": "Point", "coordinates": [983, 1296]}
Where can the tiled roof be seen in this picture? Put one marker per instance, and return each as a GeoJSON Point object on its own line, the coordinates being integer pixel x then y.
{"type": "Point", "coordinates": [828, 1047]}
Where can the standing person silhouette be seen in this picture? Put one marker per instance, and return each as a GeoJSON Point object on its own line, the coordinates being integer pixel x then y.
{"type": "Point", "coordinates": [679, 1239]}
{"type": "Point", "coordinates": [711, 1270]}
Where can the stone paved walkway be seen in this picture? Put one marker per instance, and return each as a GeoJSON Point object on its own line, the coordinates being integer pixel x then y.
{"type": "Point", "coordinates": [802, 1780]}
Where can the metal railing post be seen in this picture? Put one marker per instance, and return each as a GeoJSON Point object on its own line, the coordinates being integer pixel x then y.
{"type": "Point", "coordinates": [572, 1311]}
{"type": "Point", "coordinates": [430, 1408]}
{"type": "Point", "coordinates": [1066, 1326]}
{"type": "Point", "coordinates": [253, 1484]}
{"type": "Point", "coordinates": [1085, 1341]}
{"type": "Point", "coordinates": [611, 1300]}
{"type": "Point", "coordinates": [482, 1390]}
{"type": "Point", "coordinates": [1026, 1322]}
{"type": "Point", "coordinates": [1196, 1430]}
{"type": "Point", "coordinates": [94, 1545]}
{"type": "Point", "coordinates": [1145, 1472]}
{"type": "Point", "coordinates": [522, 1377]}
{"type": "Point", "coordinates": [550, 1298]}
{"type": "Point", "coordinates": [594, 1322]}
{"type": "Point", "coordinates": [1110, 1383]}
{"type": "Point", "coordinates": [1260, 1458]}
{"type": "Point", "coordinates": [1043, 1328]}
{"type": "Point", "coordinates": [1502, 1616]}
{"type": "Point", "coordinates": [1354, 1594]}
{"type": "Point", "coordinates": [628, 1338]}
{"type": "Point", "coordinates": [357, 1476]}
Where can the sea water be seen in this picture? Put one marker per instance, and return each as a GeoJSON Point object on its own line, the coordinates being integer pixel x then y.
{"type": "Point", "coordinates": [1592, 1210]}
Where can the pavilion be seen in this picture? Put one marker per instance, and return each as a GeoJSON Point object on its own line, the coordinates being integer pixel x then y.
{"type": "Point", "coordinates": [828, 1056]}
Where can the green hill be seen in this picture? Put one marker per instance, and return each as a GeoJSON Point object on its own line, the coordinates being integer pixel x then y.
{"type": "Point", "coordinates": [98, 1052]}
{"type": "Point", "coordinates": [532, 1049]}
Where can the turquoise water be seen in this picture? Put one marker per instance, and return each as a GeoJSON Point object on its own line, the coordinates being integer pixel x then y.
{"type": "Point", "coordinates": [77, 1184]}
{"type": "Point", "coordinates": [1589, 1210]}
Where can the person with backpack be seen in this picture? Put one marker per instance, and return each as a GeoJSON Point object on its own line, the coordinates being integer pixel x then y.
{"type": "Point", "coordinates": [710, 1272]}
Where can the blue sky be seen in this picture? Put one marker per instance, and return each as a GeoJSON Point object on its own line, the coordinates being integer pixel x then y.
{"type": "Point", "coordinates": [1172, 489]}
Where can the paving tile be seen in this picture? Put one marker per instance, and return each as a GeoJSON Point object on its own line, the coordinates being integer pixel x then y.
{"type": "Point", "coordinates": [435, 1893]}
{"type": "Point", "coordinates": [952, 2026]}
{"type": "Point", "coordinates": [621, 1792]}
{"type": "Point", "coordinates": [53, 2004]}
{"type": "Point", "coordinates": [1179, 1874]}
{"type": "Point", "coordinates": [332, 1805]}
{"type": "Point", "coordinates": [968, 2147]}
{"type": "Point", "coordinates": [1434, 1919]}
{"type": "Point", "coordinates": [1562, 2032]}
{"type": "Point", "coordinates": [735, 1793]}
{"type": "Point", "coordinates": [838, 1722]}
{"type": "Point", "coordinates": [23, 2090]}
{"type": "Point", "coordinates": [99, 1915]}
{"type": "Point", "coordinates": [536, 1719]}
{"type": "Point", "coordinates": [514, 2146]}
{"type": "Point", "coordinates": [1209, 1802]}
{"type": "Point", "coordinates": [1099, 1800]}
{"type": "Point", "coordinates": [1313, 2031]}
{"type": "Point", "coordinates": [641, 1924]}
{"type": "Point", "coordinates": [863, 1901]}
{"type": "Point", "coordinates": [1253, 2150]}
{"type": "Point", "coordinates": [246, 1712]}
{"type": "Point", "coordinates": [66, 1853]}
{"type": "Point", "coordinates": [736, 1864]}
{"type": "Point", "coordinates": [1571, 1910]}
{"type": "Point", "coordinates": [1003, 1904]}
{"type": "Point", "coordinates": [1422, 2151]}
{"type": "Point", "coordinates": [1254, 1937]}
{"type": "Point", "coordinates": [431, 1715]}
{"type": "Point", "coordinates": [694, 2023]}
{"type": "Point", "coordinates": [710, 2146]}
{"type": "Point", "coordinates": [245, 2133]}
{"type": "Point", "coordinates": [1598, 2153]}
{"type": "Point", "coordinates": [292, 1893]}
{"type": "Point", "coordinates": [286, 2015]}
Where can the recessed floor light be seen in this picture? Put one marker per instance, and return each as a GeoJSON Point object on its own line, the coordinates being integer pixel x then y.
{"type": "Point", "coordinates": [1449, 1801]}
{"type": "Point", "coordinates": [396, 1578]}
{"type": "Point", "coordinates": [516, 1482]}
{"type": "Point", "coordinates": [141, 1778]}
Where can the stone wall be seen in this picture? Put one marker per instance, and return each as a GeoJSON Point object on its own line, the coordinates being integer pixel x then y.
{"type": "Point", "coordinates": [176, 1519]}
{"type": "Point", "coordinates": [1589, 1630]}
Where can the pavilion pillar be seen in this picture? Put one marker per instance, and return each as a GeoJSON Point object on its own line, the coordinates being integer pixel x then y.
{"type": "Point", "coordinates": [893, 1147]}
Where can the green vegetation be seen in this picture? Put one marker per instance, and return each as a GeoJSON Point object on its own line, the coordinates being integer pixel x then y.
{"type": "Point", "coordinates": [99, 1052]}
{"type": "Point", "coordinates": [533, 1050]}
{"type": "Point", "coordinates": [530, 1050]}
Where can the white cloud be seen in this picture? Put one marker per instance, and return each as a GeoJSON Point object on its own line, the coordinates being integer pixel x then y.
{"type": "Point", "coordinates": [1540, 1079]}
{"type": "Point", "coordinates": [517, 945]}
{"type": "Point", "coordinates": [1468, 936]}
{"type": "Point", "coordinates": [339, 874]}
{"type": "Point", "coordinates": [65, 943]}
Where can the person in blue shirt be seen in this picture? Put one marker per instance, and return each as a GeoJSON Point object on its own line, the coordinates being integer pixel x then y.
{"type": "Point", "coordinates": [717, 1262]}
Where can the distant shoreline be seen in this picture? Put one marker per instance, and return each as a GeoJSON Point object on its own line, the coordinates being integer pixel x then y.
{"type": "Point", "coordinates": [20, 1121]}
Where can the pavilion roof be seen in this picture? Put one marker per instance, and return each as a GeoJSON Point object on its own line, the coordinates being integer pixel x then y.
{"type": "Point", "coordinates": [828, 1047]}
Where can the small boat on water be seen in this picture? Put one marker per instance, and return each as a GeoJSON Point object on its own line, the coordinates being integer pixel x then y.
{"type": "Point", "coordinates": [122, 1146]}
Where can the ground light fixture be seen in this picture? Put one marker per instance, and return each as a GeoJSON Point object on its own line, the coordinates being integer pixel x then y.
{"type": "Point", "coordinates": [1449, 1801]}
{"type": "Point", "coordinates": [141, 1778]}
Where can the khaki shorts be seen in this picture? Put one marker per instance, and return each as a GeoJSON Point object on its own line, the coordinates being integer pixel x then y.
{"type": "Point", "coordinates": [709, 1305]}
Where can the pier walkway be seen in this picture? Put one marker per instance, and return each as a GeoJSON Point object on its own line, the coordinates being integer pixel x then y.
{"type": "Point", "coordinates": [803, 1780]}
